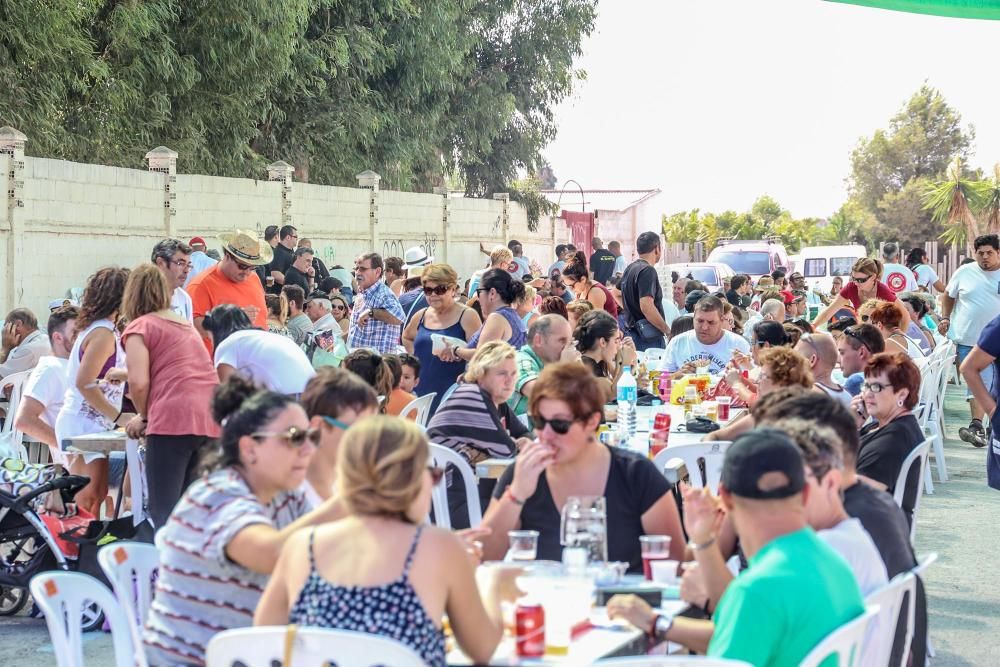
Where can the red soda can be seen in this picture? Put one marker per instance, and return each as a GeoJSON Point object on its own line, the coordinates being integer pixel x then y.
{"type": "Point", "coordinates": [529, 630]}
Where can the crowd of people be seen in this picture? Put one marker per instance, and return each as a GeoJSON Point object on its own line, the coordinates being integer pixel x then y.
{"type": "Point", "coordinates": [290, 484]}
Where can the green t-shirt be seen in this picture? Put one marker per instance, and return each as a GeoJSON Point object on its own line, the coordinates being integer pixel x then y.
{"type": "Point", "coordinates": [795, 592]}
{"type": "Point", "coordinates": [528, 368]}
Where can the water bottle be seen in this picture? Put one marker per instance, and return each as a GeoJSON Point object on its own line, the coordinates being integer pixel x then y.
{"type": "Point", "coordinates": [627, 395]}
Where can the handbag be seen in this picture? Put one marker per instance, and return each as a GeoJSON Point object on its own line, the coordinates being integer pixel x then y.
{"type": "Point", "coordinates": [701, 425]}
{"type": "Point", "coordinates": [646, 330]}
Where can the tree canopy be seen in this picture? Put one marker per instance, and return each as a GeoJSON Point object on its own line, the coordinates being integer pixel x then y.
{"type": "Point", "coordinates": [418, 90]}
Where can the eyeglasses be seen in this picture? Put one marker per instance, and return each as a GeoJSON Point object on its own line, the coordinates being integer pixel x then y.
{"type": "Point", "coordinates": [336, 423]}
{"type": "Point", "coordinates": [861, 280]}
{"type": "Point", "coordinates": [436, 474]}
{"type": "Point", "coordinates": [294, 437]}
{"type": "Point", "coordinates": [875, 387]}
{"type": "Point", "coordinates": [181, 263]}
{"type": "Point", "coordinates": [852, 332]}
{"type": "Point", "coordinates": [439, 290]}
{"type": "Point", "coordinates": [560, 426]}
{"type": "Point", "coordinates": [240, 265]}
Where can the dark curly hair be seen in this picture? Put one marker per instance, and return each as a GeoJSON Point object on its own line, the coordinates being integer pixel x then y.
{"type": "Point", "coordinates": [553, 305]}
{"type": "Point", "coordinates": [592, 327]}
{"type": "Point", "coordinates": [371, 367]}
{"type": "Point", "coordinates": [102, 297]}
{"type": "Point", "coordinates": [242, 408]}
{"type": "Point", "coordinates": [576, 267]}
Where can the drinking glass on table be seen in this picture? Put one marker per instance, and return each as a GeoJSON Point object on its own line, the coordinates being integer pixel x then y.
{"type": "Point", "coordinates": [653, 547]}
{"type": "Point", "coordinates": [523, 545]}
{"type": "Point", "coordinates": [724, 403]}
{"type": "Point", "coordinates": [585, 524]}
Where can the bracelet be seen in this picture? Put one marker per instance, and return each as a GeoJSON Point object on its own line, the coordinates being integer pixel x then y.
{"type": "Point", "coordinates": [704, 545]}
{"type": "Point", "coordinates": [509, 494]}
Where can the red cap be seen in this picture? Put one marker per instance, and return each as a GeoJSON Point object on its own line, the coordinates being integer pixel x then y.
{"type": "Point", "coordinates": [197, 241]}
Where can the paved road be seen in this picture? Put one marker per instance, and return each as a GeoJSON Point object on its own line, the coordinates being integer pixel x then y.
{"type": "Point", "coordinates": [958, 522]}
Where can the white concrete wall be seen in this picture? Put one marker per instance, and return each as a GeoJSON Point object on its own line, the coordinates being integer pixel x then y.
{"type": "Point", "coordinates": [79, 217]}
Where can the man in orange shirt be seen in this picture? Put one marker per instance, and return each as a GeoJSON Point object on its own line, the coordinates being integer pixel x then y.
{"type": "Point", "coordinates": [233, 280]}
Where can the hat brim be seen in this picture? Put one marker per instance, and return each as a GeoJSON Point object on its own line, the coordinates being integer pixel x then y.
{"type": "Point", "coordinates": [426, 262]}
{"type": "Point", "coordinates": [266, 252]}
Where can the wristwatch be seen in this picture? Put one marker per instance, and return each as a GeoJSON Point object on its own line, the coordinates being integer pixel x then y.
{"type": "Point", "coordinates": [661, 626]}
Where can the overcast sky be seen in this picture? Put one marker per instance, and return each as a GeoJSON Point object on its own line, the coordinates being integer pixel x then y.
{"type": "Point", "coordinates": [718, 101]}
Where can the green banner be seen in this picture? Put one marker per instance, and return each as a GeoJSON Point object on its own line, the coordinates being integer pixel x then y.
{"type": "Point", "coordinates": [965, 9]}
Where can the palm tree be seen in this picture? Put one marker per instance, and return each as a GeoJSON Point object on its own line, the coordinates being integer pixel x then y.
{"type": "Point", "coordinates": [991, 201]}
{"type": "Point", "coordinates": [951, 203]}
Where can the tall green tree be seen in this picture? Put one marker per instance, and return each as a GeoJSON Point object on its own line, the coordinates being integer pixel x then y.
{"type": "Point", "coordinates": [921, 140]}
{"type": "Point", "coordinates": [953, 202]}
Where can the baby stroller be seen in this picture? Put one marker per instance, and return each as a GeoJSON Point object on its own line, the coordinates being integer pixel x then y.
{"type": "Point", "coordinates": [27, 545]}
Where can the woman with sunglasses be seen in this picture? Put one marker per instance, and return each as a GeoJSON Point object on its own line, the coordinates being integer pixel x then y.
{"type": "Point", "coordinates": [890, 392]}
{"type": "Point", "coordinates": [171, 380]}
{"type": "Point", "coordinates": [498, 292]}
{"type": "Point", "coordinates": [576, 276]}
{"type": "Point", "coordinates": [603, 349]}
{"type": "Point", "coordinates": [341, 312]}
{"type": "Point", "coordinates": [477, 422]}
{"type": "Point", "coordinates": [443, 316]}
{"type": "Point", "coordinates": [383, 556]}
{"type": "Point", "coordinates": [566, 406]}
{"type": "Point", "coordinates": [864, 284]}
{"type": "Point", "coordinates": [222, 541]}
{"type": "Point", "coordinates": [333, 400]}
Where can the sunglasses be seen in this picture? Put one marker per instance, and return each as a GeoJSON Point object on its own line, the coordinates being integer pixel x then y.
{"type": "Point", "coordinates": [440, 290]}
{"type": "Point", "coordinates": [241, 266]}
{"type": "Point", "coordinates": [339, 307]}
{"type": "Point", "coordinates": [852, 332]}
{"type": "Point", "coordinates": [560, 426]}
{"type": "Point", "coordinates": [294, 437]}
{"type": "Point", "coordinates": [860, 281]}
{"type": "Point", "coordinates": [436, 474]}
{"type": "Point", "coordinates": [336, 423]}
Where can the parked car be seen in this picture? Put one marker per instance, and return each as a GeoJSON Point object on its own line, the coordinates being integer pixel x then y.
{"type": "Point", "coordinates": [709, 273]}
{"type": "Point", "coordinates": [819, 265]}
{"type": "Point", "coordinates": [754, 258]}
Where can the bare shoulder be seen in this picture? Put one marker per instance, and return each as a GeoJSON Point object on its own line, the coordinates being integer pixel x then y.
{"type": "Point", "coordinates": [443, 544]}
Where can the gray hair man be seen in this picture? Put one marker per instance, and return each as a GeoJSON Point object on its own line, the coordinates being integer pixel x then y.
{"type": "Point", "coordinates": [550, 339]}
{"type": "Point", "coordinates": [23, 343]}
{"type": "Point", "coordinates": [173, 258]}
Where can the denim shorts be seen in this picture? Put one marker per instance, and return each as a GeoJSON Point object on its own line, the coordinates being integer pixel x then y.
{"type": "Point", "coordinates": [986, 374]}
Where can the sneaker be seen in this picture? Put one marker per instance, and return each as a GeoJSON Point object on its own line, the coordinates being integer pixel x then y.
{"type": "Point", "coordinates": [973, 434]}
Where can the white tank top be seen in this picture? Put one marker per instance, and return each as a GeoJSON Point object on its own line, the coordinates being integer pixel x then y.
{"type": "Point", "coordinates": [77, 417]}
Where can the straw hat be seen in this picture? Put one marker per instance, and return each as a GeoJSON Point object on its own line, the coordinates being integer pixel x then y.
{"type": "Point", "coordinates": [246, 247]}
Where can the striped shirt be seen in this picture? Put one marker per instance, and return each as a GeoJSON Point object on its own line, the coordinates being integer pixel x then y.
{"type": "Point", "coordinates": [200, 592]}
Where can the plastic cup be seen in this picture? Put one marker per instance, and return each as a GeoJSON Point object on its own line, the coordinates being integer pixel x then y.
{"type": "Point", "coordinates": [724, 403]}
{"type": "Point", "coordinates": [653, 548]}
{"type": "Point", "coordinates": [664, 571]}
{"type": "Point", "coordinates": [523, 545]}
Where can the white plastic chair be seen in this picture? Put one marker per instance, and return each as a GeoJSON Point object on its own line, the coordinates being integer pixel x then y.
{"type": "Point", "coordinates": [921, 567]}
{"type": "Point", "coordinates": [917, 456]}
{"type": "Point", "coordinates": [844, 642]}
{"type": "Point", "coordinates": [712, 453]}
{"type": "Point", "coordinates": [62, 597]}
{"type": "Point", "coordinates": [130, 567]}
{"type": "Point", "coordinates": [13, 437]}
{"type": "Point", "coordinates": [307, 647]}
{"type": "Point", "coordinates": [672, 661]}
{"type": "Point", "coordinates": [444, 457]}
{"type": "Point", "coordinates": [422, 405]}
{"type": "Point", "coordinates": [932, 387]}
{"type": "Point", "coordinates": [890, 599]}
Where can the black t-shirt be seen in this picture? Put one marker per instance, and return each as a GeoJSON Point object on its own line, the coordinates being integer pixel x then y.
{"type": "Point", "coordinates": [883, 451]}
{"type": "Point", "coordinates": [515, 426]}
{"type": "Point", "coordinates": [602, 265]}
{"type": "Point", "coordinates": [322, 273]}
{"type": "Point", "coordinates": [282, 260]}
{"type": "Point", "coordinates": [634, 485]}
{"type": "Point", "coordinates": [886, 523]}
{"type": "Point", "coordinates": [295, 277]}
{"type": "Point", "coordinates": [640, 280]}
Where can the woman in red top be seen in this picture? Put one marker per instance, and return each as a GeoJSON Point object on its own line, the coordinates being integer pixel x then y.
{"type": "Point", "coordinates": [171, 379]}
{"type": "Point", "coordinates": [864, 284]}
{"type": "Point", "coordinates": [576, 276]}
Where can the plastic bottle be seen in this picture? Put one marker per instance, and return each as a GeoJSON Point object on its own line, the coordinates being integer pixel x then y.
{"type": "Point", "coordinates": [627, 396]}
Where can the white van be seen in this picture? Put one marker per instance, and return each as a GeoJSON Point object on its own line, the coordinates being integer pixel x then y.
{"type": "Point", "coordinates": [820, 264]}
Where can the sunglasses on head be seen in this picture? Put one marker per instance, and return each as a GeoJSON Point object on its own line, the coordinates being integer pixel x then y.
{"type": "Point", "coordinates": [439, 290]}
{"type": "Point", "coordinates": [436, 473]}
{"type": "Point", "coordinates": [294, 437]}
{"type": "Point", "coordinates": [852, 332]}
{"type": "Point", "coordinates": [560, 426]}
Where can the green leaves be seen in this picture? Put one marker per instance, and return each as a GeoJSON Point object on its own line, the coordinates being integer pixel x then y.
{"type": "Point", "coordinates": [414, 89]}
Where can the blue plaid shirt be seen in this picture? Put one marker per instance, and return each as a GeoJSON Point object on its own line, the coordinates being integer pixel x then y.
{"type": "Point", "coordinates": [376, 335]}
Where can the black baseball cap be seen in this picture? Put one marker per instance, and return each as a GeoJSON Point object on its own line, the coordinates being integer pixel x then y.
{"type": "Point", "coordinates": [317, 294]}
{"type": "Point", "coordinates": [693, 297]}
{"type": "Point", "coordinates": [764, 452]}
